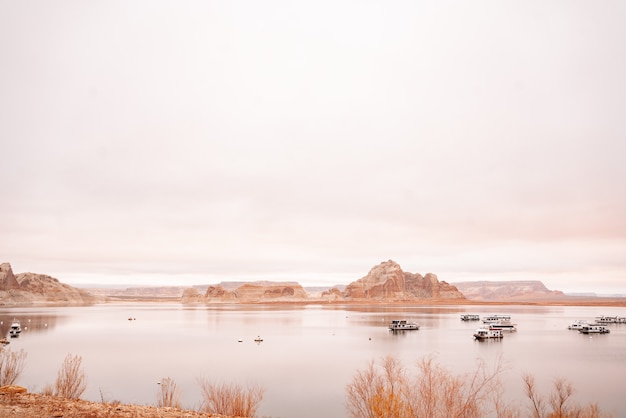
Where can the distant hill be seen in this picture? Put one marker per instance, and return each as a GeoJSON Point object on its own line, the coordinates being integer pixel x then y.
{"type": "Point", "coordinates": [38, 289]}
{"type": "Point", "coordinates": [508, 290]}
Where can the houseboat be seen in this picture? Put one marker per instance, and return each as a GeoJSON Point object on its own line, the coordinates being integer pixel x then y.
{"type": "Point", "coordinates": [496, 318]}
{"type": "Point", "coordinates": [402, 325]}
{"type": "Point", "coordinates": [470, 317]}
{"type": "Point", "coordinates": [16, 328]}
{"type": "Point", "coordinates": [594, 329]}
{"type": "Point", "coordinates": [578, 324]}
{"type": "Point", "coordinates": [486, 334]}
{"type": "Point", "coordinates": [503, 325]}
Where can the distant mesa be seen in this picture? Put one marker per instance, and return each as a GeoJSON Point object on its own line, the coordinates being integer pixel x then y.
{"type": "Point", "coordinates": [38, 289]}
{"type": "Point", "coordinates": [385, 282]}
{"type": "Point", "coordinates": [517, 290]}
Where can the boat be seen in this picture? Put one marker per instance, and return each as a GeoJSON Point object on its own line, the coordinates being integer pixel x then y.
{"type": "Point", "coordinates": [611, 320]}
{"type": "Point", "coordinates": [594, 329]}
{"type": "Point", "coordinates": [578, 324]}
{"type": "Point", "coordinates": [402, 325]}
{"type": "Point", "coordinates": [258, 339]}
{"type": "Point", "coordinates": [470, 317]}
{"type": "Point", "coordinates": [16, 328]}
{"type": "Point", "coordinates": [503, 325]}
{"type": "Point", "coordinates": [496, 318]}
{"type": "Point", "coordinates": [4, 341]}
{"type": "Point", "coordinates": [486, 334]}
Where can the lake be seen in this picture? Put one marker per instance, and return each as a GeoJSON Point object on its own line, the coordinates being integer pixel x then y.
{"type": "Point", "coordinates": [309, 353]}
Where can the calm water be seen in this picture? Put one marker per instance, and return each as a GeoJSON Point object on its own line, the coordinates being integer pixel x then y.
{"type": "Point", "coordinates": [309, 353]}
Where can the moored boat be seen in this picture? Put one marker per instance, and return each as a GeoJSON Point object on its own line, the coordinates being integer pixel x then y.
{"type": "Point", "coordinates": [594, 329]}
{"type": "Point", "coordinates": [611, 320]}
{"type": "Point", "coordinates": [470, 317]}
{"type": "Point", "coordinates": [403, 325]}
{"type": "Point", "coordinates": [496, 318]}
{"type": "Point", "coordinates": [16, 328]}
{"type": "Point", "coordinates": [578, 324]}
{"type": "Point", "coordinates": [486, 334]}
{"type": "Point", "coordinates": [503, 325]}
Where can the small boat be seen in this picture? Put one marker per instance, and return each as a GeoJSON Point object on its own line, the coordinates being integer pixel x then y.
{"type": "Point", "coordinates": [486, 334]}
{"type": "Point", "coordinates": [258, 339]}
{"type": "Point", "coordinates": [578, 324]}
{"type": "Point", "coordinates": [16, 328]}
{"type": "Point", "coordinates": [496, 318]}
{"type": "Point", "coordinates": [470, 317]}
{"type": "Point", "coordinates": [4, 341]}
{"type": "Point", "coordinates": [606, 319]}
{"type": "Point", "coordinates": [594, 329]}
{"type": "Point", "coordinates": [402, 325]}
{"type": "Point", "coordinates": [611, 320]}
{"type": "Point", "coordinates": [503, 326]}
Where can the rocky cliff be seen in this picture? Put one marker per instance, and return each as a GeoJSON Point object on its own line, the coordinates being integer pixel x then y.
{"type": "Point", "coordinates": [508, 290]}
{"type": "Point", "coordinates": [34, 289]}
{"type": "Point", "coordinates": [253, 292]}
{"type": "Point", "coordinates": [387, 282]}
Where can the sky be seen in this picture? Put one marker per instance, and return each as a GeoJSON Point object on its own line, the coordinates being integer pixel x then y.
{"type": "Point", "coordinates": [192, 142]}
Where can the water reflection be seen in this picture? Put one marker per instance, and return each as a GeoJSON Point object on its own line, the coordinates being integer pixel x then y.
{"type": "Point", "coordinates": [309, 353]}
{"type": "Point", "coordinates": [30, 323]}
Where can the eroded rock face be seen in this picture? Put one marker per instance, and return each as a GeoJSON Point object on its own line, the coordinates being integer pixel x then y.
{"type": "Point", "coordinates": [387, 281]}
{"type": "Point", "coordinates": [7, 278]}
{"type": "Point", "coordinates": [35, 288]}
{"type": "Point", "coordinates": [257, 292]}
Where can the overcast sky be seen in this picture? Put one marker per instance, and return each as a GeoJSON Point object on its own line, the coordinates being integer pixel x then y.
{"type": "Point", "coordinates": [190, 142]}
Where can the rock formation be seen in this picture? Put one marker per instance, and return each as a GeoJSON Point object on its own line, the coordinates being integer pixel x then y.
{"type": "Point", "coordinates": [7, 278]}
{"type": "Point", "coordinates": [508, 290]}
{"type": "Point", "coordinates": [254, 292]}
{"type": "Point", "coordinates": [387, 282]}
{"type": "Point", "coordinates": [31, 289]}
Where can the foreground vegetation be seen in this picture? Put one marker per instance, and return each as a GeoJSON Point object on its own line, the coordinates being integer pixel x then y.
{"type": "Point", "coordinates": [388, 390]}
{"type": "Point", "coordinates": [384, 389]}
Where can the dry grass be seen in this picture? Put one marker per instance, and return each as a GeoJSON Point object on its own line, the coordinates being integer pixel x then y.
{"type": "Point", "coordinates": [230, 399]}
{"type": "Point", "coordinates": [11, 365]}
{"type": "Point", "coordinates": [71, 380]}
{"type": "Point", "coordinates": [168, 394]}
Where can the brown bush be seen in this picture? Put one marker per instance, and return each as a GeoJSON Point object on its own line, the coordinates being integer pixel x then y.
{"type": "Point", "coordinates": [559, 401]}
{"type": "Point", "coordinates": [71, 381]}
{"type": "Point", "coordinates": [386, 391]}
{"type": "Point", "coordinates": [230, 399]}
{"type": "Point", "coordinates": [11, 365]}
{"type": "Point", "coordinates": [168, 394]}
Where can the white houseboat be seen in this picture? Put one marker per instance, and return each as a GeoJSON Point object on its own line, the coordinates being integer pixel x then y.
{"type": "Point", "coordinates": [578, 324]}
{"type": "Point", "coordinates": [503, 325]}
{"type": "Point", "coordinates": [486, 334]}
{"type": "Point", "coordinates": [496, 318]}
{"type": "Point", "coordinates": [470, 317]}
{"type": "Point", "coordinates": [594, 329]}
{"type": "Point", "coordinates": [16, 328]}
{"type": "Point", "coordinates": [402, 325]}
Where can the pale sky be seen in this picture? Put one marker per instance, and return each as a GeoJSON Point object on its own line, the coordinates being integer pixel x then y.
{"type": "Point", "coordinates": [190, 142]}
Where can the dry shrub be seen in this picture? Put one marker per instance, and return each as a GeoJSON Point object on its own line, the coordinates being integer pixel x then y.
{"type": "Point", "coordinates": [230, 399]}
{"type": "Point", "coordinates": [558, 401]}
{"type": "Point", "coordinates": [386, 391]}
{"type": "Point", "coordinates": [11, 365]}
{"type": "Point", "coordinates": [71, 381]}
{"type": "Point", "coordinates": [168, 394]}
